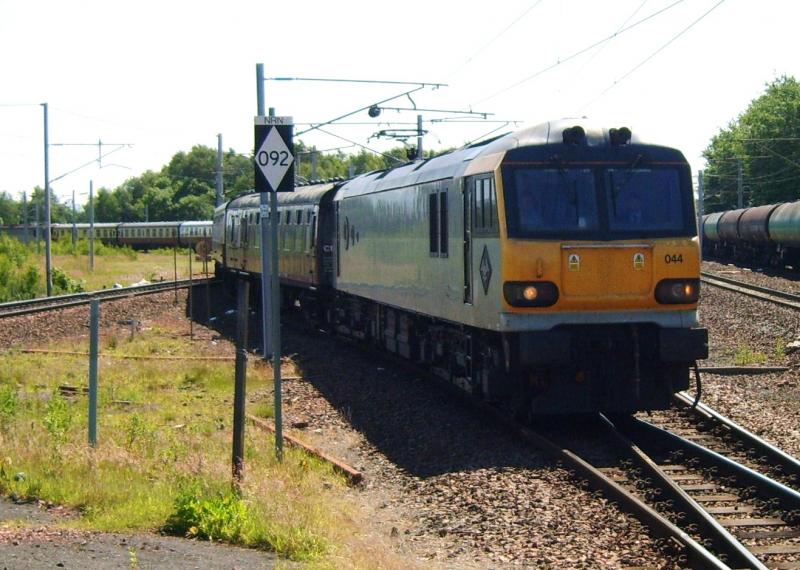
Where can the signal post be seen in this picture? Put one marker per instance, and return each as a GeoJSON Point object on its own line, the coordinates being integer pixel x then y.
{"type": "Point", "coordinates": [274, 172]}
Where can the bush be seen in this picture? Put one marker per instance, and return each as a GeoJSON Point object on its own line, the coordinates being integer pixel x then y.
{"type": "Point", "coordinates": [19, 279]}
{"type": "Point", "coordinates": [63, 246]}
{"type": "Point", "coordinates": [63, 283]}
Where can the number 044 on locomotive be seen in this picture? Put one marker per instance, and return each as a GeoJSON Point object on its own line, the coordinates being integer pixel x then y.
{"type": "Point", "coordinates": [555, 269]}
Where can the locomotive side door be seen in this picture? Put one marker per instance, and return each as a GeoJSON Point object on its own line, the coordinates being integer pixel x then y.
{"type": "Point", "coordinates": [468, 196]}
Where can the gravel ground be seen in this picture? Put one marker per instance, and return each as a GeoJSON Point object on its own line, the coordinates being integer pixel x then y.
{"type": "Point", "coordinates": [464, 492]}
{"type": "Point", "coordinates": [46, 547]}
{"type": "Point", "coordinates": [777, 279]}
{"type": "Point", "coordinates": [768, 404]}
{"type": "Point", "coordinates": [33, 330]}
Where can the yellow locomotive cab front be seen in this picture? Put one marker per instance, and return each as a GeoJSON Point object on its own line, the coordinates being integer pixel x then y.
{"type": "Point", "coordinates": [593, 276]}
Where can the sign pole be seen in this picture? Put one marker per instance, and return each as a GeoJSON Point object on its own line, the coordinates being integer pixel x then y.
{"type": "Point", "coordinates": [240, 386]}
{"type": "Point", "coordinates": [94, 343]}
{"type": "Point", "coordinates": [276, 328]}
{"type": "Point", "coordinates": [266, 289]}
{"type": "Point", "coordinates": [274, 172]}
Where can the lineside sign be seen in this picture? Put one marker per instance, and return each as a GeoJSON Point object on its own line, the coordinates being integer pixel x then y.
{"type": "Point", "coordinates": [274, 159]}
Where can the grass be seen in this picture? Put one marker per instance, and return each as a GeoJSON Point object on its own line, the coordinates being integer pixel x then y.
{"type": "Point", "coordinates": [121, 268]}
{"type": "Point", "coordinates": [111, 265]}
{"type": "Point", "coordinates": [163, 457]}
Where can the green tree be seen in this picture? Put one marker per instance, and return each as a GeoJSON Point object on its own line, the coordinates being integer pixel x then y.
{"type": "Point", "coordinates": [195, 208]}
{"type": "Point", "coordinates": [106, 206]}
{"type": "Point", "coordinates": [765, 140]}
{"type": "Point", "coordinates": [185, 188]}
{"type": "Point", "coordinates": [10, 210]}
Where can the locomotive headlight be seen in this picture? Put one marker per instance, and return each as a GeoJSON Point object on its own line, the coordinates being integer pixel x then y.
{"type": "Point", "coordinates": [678, 291]}
{"type": "Point", "coordinates": [530, 293]}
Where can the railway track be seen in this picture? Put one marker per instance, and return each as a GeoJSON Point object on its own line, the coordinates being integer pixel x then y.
{"type": "Point", "coordinates": [720, 494]}
{"type": "Point", "coordinates": [775, 296]}
{"type": "Point", "coordinates": [714, 493]}
{"type": "Point", "coordinates": [43, 304]}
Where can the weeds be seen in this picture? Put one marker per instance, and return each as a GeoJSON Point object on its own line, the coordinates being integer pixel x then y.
{"type": "Point", "coordinates": [780, 348]}
{"type": "Point", "coordinates": [9, 404]}
{"type": "Point", "coordinates": [58, 417]}
{"type": "Point", "coordinates": [221, 516]}
{"type": "Point", "coordinates": [264, 410]}
{"type": "Point", "coordinates": [744, 355]}
{"type": "Point", "coordinates": [136, 430]}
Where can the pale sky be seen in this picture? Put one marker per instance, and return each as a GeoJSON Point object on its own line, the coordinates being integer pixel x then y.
{"type": "Point", "coordinates": [164, 76]}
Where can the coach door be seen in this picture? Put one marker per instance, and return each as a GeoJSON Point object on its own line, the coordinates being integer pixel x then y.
{"type": "Point", "coordinates": [468, 194]}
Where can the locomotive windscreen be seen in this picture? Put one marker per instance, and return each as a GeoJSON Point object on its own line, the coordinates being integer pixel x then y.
{"type": "Point", "coordinates": [596, 203]}
{"type": "Point", "coordinates": [644, 199]}
{"type": "Point", "coordinates": [555, 200]}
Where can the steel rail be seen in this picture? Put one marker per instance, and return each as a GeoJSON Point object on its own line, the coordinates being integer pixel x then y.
{"type": "Point", "coordinates": [764, 486]}
{"type": "Point", "coordinates": [782, 298]}
{"type": "Point", "coordinates": [736, 554]}
{"type": "Point", "coordinates": [43, 304]}
{"type": "Point", "coordinates": [697, 555]}
{"type": "Point", "coordinates": [749, 481]}
{"type": "Point", "coordinates": [775, 457]}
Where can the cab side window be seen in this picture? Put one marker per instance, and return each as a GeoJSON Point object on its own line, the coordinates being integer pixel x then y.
{"type": "Point", "coordinates": [484, 204]}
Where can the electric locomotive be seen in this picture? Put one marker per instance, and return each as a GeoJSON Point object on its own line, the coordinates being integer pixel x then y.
{"type": "Point", "coordinates": [555, 269]}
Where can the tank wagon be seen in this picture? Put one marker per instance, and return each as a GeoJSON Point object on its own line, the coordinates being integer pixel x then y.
{"type": "Point", "coordinates": [555, 269]}
{"type": "Point", "coordinates": [767, 235]}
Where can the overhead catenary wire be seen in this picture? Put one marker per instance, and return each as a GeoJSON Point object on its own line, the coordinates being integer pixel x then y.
{"type": "Point", "coordinates": [483, 136]}
{"type": "Point", "coordinates": [652, 55]}
{"type": "Point", "coordinates": [578, 53]}
{"type": "Point", "coordinates": [94, 160]}
{"type": "Point", "coordinates": [496, 37]}
{"type": "Point", "coordinates": [389, 156]}
{"type": "Point", "coordinates": [621, 27]}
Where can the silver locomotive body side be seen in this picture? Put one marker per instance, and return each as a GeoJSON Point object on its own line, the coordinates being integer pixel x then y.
{"type": "Point", "coordinates": [401, 242]}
